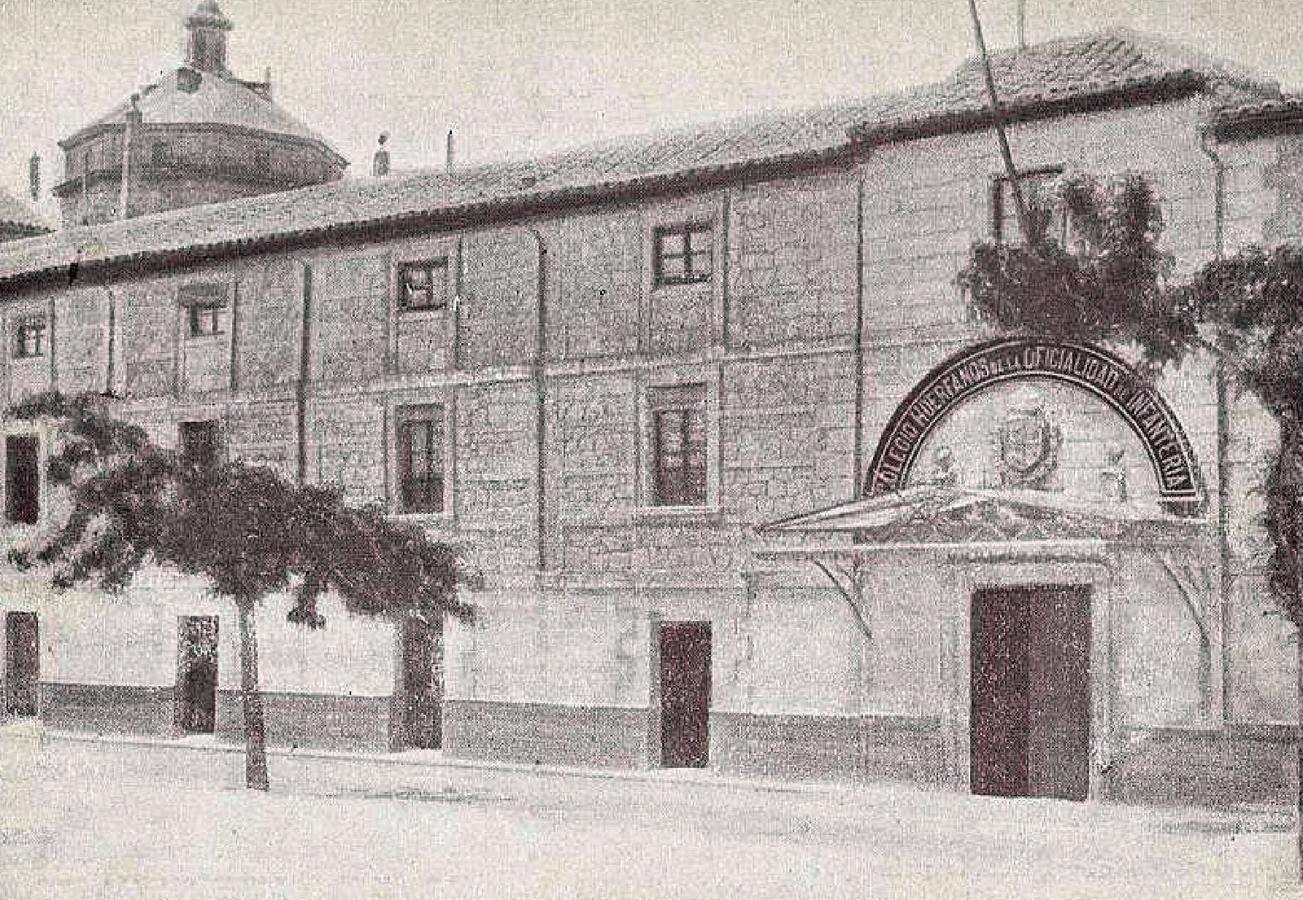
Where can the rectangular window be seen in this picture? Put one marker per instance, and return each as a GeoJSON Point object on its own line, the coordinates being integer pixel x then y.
{"type": "Point", "coordinates": [29, 339]}
{"type": "Point", "coordinates": [207, 320]}
{"type": "Point", "coordinates": [199, 444]}
{"type": "Point", "coordinates": [22, 479]}
{"type": "Point", "coordinates": [1040, 193]}
{"type": "Point", "coordinates": [679, 445]}
{"type": "Point", "coordinates": [421, 459]}
{"type": "Point", "coordinates": [423, 285]}
{"type": "Point", "coordinates": [683, 254]}
{"type": "Point", "coordinates": [205, 306]}
{"type": "Point", "coordinates": [160, 154]}
{"type": "Point", "coordinates": [262, 160]}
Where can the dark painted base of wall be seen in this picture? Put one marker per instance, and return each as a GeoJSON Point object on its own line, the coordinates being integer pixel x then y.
{"type": "Point", "coordinates": [605, 737]}
{"type": "Point", "coordinates": [1242, 764]}
{"type": "Point", "coordinates": [325, 721]}
{"type": "Point", "coordinates": [846, 748]}
{"type": "Point", "coordinates": [293, 720]}
{"type": "Point", "coordinates": [107, 708]}
{"type": "Point", "coordinates": [1238, 765]}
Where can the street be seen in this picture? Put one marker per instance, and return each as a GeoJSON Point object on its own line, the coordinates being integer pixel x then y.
{"type": "Point", "coordinates": [117, 820]}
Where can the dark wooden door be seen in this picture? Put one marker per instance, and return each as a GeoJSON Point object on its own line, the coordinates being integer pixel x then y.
{"type": "Point", "coordinates": [1030, 713]}
{"type": "Point", "coordinates": [422, 684]}
{"type": "Point", "coordinates": [1059, 662]}
{"type": "Point", "coordinates": [685, 694]}
{"type": "Point", "coordinates": [22, 663]}
{"type": "Point", "coordinates": [999, 716]}
{"type": "Point", "coordinates": [196, 678]}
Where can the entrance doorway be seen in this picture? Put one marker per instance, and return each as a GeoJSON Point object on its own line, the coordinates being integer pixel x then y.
{"type": "Point", "coordinates": [1030, 717]}
{"type": "Point", "coordinates": [685, 694]}
{"type": "Point", "coordinates": [422, 683]}
{"type": "Point", "coordinates": [22, 663]}
{"type": "Point", "coordinates": [196, 677]}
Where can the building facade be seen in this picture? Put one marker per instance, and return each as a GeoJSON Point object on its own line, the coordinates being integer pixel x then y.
{"type": "Point", "coordinates": [198, 135]}
{"type": "Point", "coordinates": [751, 485]}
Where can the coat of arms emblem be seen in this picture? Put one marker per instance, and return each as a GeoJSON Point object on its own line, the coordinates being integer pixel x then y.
{"type": "Point", "coordinates": [1027, 444]}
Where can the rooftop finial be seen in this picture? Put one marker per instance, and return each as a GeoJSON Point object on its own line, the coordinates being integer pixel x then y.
{"type": "Point", "coordinates": [380, 162]}
{"type": "Point", "coordinates": [206, 46]}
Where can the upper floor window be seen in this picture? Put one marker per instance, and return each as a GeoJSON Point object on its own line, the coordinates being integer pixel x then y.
{"type": "Point", "coordinates": [679, 445]}
{"type": "Point", "coordinates": [1040, 190]}
{"type": "Point", "coordinates": [29, 339]}
{"type": "Point", "coordinates": [199, 444]}
{"type": "Point", "coordinates": [22, 479]}
{"type": "Point", "coordinates": [262, 160]}
{"type": "Point", "coordinates": [682, 254]}
{"type": "Point", "coordinates": [160, 154]}
{"type": "Point", "coordinates": [205, 306]}
{"type": "Point", "coordinates": [423, 285]}
{"type": "Point", "coordinates": [421, 459]}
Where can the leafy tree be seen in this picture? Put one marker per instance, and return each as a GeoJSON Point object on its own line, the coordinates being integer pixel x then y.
{"type": "Point", "coordinates": [246, 530]}
{"type": "Point", "coordinates": [1113, 283]}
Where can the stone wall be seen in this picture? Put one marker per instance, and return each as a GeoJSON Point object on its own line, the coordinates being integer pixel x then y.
{"type": "Point", "coordinates": [580, 561]}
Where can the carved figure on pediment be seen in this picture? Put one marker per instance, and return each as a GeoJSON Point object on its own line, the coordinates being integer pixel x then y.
{"type": "Point", "coordinates": [944, 470]}
{"type": "Point", "coordinates": [1113, 475]}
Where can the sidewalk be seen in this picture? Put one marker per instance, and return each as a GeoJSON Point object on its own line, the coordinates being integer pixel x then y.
{"type": "Point", "coordinates": [1243, 819]}
{"type": "Point", "coordinates": [136, 818]}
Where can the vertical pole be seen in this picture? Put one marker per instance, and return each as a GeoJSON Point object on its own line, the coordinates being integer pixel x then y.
{"type": "Point", "coordinates": [1022, 24]}
{"type": "Point", "coordinates": [997, 120]}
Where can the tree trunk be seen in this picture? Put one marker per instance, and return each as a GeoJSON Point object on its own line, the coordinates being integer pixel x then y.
{"type": "Point", "coordinates": [1298, 749]}
{"type": "Point", "coordinates": [255, 734]}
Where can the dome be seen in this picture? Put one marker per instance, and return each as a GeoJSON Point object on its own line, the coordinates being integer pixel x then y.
{"type": "Point", "coordinates": [197, 135]}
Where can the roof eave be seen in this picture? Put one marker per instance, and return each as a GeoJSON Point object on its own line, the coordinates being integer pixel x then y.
{"type": "Point", "coordinates": [1143, 92]}
{"type": "Point", "coordinates": [1255, 123]}
{"type": "Point", "coordinates": [493, 209]}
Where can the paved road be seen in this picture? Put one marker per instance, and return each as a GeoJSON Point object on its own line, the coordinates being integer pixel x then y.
{"type": "Point", "coordinates": [119, 821]}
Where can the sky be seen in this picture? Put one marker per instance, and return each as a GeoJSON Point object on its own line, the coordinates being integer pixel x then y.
{"type": "Point", "coordinates": [515, 78]}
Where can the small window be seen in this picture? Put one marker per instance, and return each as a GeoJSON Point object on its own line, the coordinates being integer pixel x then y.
{"type": "Point", "coordinates": [423, 285]}
{"type": "Point", "coordinates": [160, 154]}
{"type": "Point", "coordinates": [29, 339]}
{"type": "Point", "coordinates": [205, 305]}
{"type": "Point", "coordinates": [421, 459]}
{"type": "Point", "coordinates": [262, 160]}
{"type": "Point", "coordinates": [22, 479]}
{"type": "Point", "coordinates": [1040, 190]}
{"type": "Point", "coordinates": [207, 320]}
{"type": "Point", "coordinates": [198, 444]}
{"type": "Point", "coordinates": [679, 445]}
{"type": "Point", "coordinates": [683, 254]}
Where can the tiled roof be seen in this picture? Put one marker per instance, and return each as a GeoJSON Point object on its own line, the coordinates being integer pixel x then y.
{"type": "Point", "coordinates": [1050, 77]}
{"type": "Point", "coordinates": [15, 212]}
{"type": "Point", "coordinates": [216, 99]}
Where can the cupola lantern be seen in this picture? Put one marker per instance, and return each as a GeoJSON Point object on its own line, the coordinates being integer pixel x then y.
{"type": "Point", "coordinates": [206, 45]}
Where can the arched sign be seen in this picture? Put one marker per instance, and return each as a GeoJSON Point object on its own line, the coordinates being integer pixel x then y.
{"type": "Point", "coordinates": [1090, 368]}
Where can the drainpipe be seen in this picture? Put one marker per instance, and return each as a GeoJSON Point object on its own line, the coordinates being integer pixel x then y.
{"type": "Point", "coordinates": [305, 370]}
{"type": "Point", "coordinates": [1223, 425]}
{"type": "Point", "coordinates": [112, 341]}
{"type": "Point", "coordinates": [540, 400]}
{"type": "Point", "coordinates": [857, 452]}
